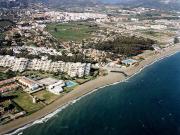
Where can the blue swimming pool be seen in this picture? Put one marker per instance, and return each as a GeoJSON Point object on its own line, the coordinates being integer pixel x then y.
{"type": "Point", "coordinates": [70, 84]}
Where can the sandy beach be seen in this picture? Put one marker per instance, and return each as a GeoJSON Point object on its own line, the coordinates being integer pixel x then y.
{"type": "Point", "coordinates": [88, 87]}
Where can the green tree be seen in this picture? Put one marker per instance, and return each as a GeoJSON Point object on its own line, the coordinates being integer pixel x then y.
{"type": "Point", "coordinates": [176, 40]}
{"type": "Point", "coordinates": [55, 29]}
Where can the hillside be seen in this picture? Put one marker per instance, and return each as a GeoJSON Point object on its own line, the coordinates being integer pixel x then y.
{"type": "Point", "coordinates": [72, 3]}
{"type": "Point", "coordinates": [158, 4]}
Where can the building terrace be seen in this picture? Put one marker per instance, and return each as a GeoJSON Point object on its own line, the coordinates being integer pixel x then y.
{"type": "Point", "coordinates": [22, 64]}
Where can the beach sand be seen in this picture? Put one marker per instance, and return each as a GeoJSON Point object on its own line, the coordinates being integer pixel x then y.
{"type": "Point", "coordinates": [87, 88]}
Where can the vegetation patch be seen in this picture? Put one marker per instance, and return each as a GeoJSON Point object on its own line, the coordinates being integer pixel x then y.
{"type": "Point", "coordinates": [84, 80]}
{"type": "Point", "coordinates": [157, 34]}
{"type": "Point", "coordinates": [125, 45]}
{"type": "Point", "coordinates": [71, 31]}
{"type": "Point", "coordinates": [45, 96]}
{"type": "Point", "coordinates": [6, 75]}
{"type": "Point", "coordinates": [5, 24]}
{"type": "Point", "coordinates": [25, 102]}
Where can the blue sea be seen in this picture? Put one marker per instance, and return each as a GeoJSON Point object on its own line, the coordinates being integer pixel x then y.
{"type": "Point", "coordinates": [147, 104]}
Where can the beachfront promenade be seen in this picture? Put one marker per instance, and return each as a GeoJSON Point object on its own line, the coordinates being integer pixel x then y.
{"type": "Point", "coordinates": [88, 87]}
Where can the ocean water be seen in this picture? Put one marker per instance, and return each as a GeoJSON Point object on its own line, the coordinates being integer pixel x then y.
{"type": "Point", "coordinates": [147, 104]}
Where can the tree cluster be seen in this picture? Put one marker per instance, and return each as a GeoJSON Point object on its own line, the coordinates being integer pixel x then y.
{"type": "Point", "coordinates": [123, 45]}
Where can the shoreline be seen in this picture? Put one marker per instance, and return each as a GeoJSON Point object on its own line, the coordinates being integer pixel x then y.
{"type": "Point", "coordinates": [83, 90]}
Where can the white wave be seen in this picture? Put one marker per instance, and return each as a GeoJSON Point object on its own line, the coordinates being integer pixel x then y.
{"type": "Point", "coordinates": [49, 116]}
{"type": "Point", "coordinates": [39, 121]}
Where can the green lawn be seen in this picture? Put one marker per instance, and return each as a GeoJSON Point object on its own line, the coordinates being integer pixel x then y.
{"type": "Point", "coordinates": [45, 95]}
{"type": "Point", "coordinates": [25, 101]}
{"type": "Point", "coordinates": [157, 33]}
{"type": "Point", "coordinates": [71, 31]}
{"type": "Point", "coordinates": [152, 33]}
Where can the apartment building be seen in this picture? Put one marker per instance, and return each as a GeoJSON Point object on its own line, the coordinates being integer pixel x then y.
{"type": "Point", "coordinates": [21, 64]}
{"type": "Point", "coordinates": [79, 69]}
{"type": "Point", "coordinates": [7, 61]}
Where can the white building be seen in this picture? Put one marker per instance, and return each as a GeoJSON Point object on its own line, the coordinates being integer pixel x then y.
{"type": "Point", "coordinates": [81, 70]}
{"type": "Point", "coordinates": [88, 69]}
{"type": "Point", "coordinates": [78, 69]}
{"type": "Point", "coordinates": [21, 64]}
{"type": "Point", "coordinates": [16, 64]}
{"type": "Point", "coordinates": [7, 61]}
{"type": "Point", "coordinates": [129, 62]}
{"type": "Point", "coordinates": [72, 16]}
{"type": "Point", "coordinates": [158, 27]}
{"type": "Point", "coordinates": [31, 84]}
{"type": "Point", "coordinates": [56, 88]}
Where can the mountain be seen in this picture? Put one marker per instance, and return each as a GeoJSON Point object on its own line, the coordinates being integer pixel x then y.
{"type": "Point", "coordinates": [13, 3]}
{"type": "Point", "coordinates": [159, 4]}
{"type": "Point", "coordinates": [72, 3]}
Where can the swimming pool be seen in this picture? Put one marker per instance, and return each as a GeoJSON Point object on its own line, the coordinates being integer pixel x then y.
{"type": "Point", "coordinates": [71, 84]}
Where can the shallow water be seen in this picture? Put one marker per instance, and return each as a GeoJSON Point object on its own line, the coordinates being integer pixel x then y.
{"type": "Point", "coordinates": [148, 104]}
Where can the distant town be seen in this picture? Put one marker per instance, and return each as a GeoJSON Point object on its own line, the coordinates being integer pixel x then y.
{"type": "Point", "coordinates": [47, 52]}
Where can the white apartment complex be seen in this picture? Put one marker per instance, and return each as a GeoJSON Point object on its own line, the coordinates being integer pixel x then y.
{"type": "Point", "coordinates": [16, 64]}
{"type": "Point", "coordinates": [72, 16]}
{"type": "Point", "coordinates": [21, 64]}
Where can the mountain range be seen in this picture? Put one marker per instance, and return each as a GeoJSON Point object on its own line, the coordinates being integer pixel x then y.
{"type": "Point", "coordinates": [159, 4]}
